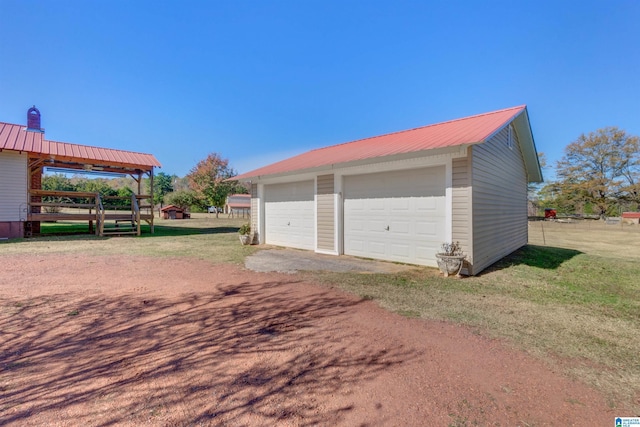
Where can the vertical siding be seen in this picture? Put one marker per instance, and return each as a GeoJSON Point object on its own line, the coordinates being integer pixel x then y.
{"type": "Point", "coordinates": [461, 205]}
{"type": "Point", "coordinates": [325, 212]}
{"type": "Point", "coordinates": [499, 183]}
{"type": "Point", "coordinates": [255, 215]}
{"type": "Point", "coordinates": [13, 187]}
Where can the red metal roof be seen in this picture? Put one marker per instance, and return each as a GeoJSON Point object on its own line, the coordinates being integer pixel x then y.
{"type": "Point", "coordinates": [16, 138]}
{"type": "Point", "coordinates": [239, 201]}
{"type": "Point", "coordinates": [630, 214]}
{"type": "Point", "coordinates": [469, 130]}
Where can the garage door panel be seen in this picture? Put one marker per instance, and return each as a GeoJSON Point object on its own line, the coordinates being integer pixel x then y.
{"type": "Point", "coordinates": [400, 250]}
{"type": "Point", "coordinates": [289, 214]}
{"type": "Point", "coordinates": [411, 203]}
{"type": "Point", "coordinates": [400, 227]}
{"type": "Point", "coordinates": [376, 247]}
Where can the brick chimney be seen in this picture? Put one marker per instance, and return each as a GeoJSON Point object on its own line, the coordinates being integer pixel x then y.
{"type": "Point", "coordinates": [33, 120]}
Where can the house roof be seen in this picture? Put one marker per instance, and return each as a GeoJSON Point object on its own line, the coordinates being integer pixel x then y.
{"type": "Point", "coordinates": [630, 214]}
{"type": "Point", "coordinates": [171, 208]}
{"type": "Point", "coordinates": [239, 201]}
{"type": "Point", "coordinates": [16, 138]}
{"type": "Point", "coordinates": [466, 131]}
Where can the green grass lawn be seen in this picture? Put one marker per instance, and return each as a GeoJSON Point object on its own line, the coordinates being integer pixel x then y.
{"type": "Point", "coordinates": [570, 298]}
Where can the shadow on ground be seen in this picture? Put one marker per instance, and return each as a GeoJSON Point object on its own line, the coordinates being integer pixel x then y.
{"type": "Point", "coordinates": [235, 354]}
{"type": "Point", "coordinates": [546, 257]}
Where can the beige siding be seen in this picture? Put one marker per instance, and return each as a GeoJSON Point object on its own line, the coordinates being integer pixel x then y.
{"type": "Point", "coordinates": [255, 217]}
{"type": "Point", "coordinates": [325, 213]}
{"type": "Point", "coordinates": [461, 205]}
{"type": "Point", "coordinates": [13, 187]}
{"type": "Point", "coordinates": [499, 200]}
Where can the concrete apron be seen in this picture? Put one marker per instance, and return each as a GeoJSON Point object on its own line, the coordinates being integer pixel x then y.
{"type": "Point", "coordinates": [287, 260]}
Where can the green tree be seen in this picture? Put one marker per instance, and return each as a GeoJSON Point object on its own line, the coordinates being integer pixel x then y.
{"type": "Point", "coordinates": [209, 180]}
{"type": "Point", "coordinates": [182, 198]}
{"type": "Point", "coordinates": [600, 169]}
{"type": "Point", "coordinates": [162, 185]}
{"type": "Point", "coordinates": [57, 182]}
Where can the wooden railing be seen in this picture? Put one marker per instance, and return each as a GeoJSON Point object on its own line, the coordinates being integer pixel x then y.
{"type": "Point", "coordinates": [86, 206]}
{"type": "Point", "coordinates": [136, 212]}
{"type": "Point", "coordinates": [101, 216]}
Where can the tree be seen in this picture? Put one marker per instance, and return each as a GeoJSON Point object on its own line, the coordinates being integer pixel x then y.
{"type": "Point", "coordinates": [162, 185]}
{"type": "Point", "coordinates": [181, 198]}
{"type": "Point", "coordinates": [601, 169]}
{"type": "Point", "coordinates": [56, 182]}
{"type": "Point", "coordinates": [209, 180]}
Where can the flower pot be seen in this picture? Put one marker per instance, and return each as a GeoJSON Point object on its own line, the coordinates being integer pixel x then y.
{"type": "Point", "coordinates": [245, 239]}
{"type": "Point", "coordinates": [450, 264]}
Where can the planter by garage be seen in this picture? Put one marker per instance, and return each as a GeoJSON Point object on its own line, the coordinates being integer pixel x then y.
{"type": "Point", "coordinates": [450, 264]}
{"type": "Point", "coordinates": [245, 239]}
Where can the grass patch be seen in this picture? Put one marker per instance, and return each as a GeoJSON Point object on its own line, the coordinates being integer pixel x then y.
{"type": "Point", "coordinates": [203, 237]}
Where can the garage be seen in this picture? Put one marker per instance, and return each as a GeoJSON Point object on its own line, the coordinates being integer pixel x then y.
{"type": "Point", "coordinates": [289, 214]}
{"type": "Point", "coordinates": [396, 216]}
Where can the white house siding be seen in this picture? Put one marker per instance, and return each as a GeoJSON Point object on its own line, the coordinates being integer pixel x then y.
{"type": "Point", "coordinates": [13, 191]}
{"type": "Point", "coordinates": [325, 216]}
{"type": "Point", "coordinates": [499, 185]}
{"type": "Point", "coordinates": [461, 205]}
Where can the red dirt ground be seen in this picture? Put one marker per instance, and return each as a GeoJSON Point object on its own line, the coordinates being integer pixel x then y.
{"type": "Point", "coordinates": [101, 341]}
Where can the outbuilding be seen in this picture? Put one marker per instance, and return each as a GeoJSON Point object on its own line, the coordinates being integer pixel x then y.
{"type": "Point", "coordinates": [25, 154]}
{"type": "Point", "coordinates": [239, 204]}
{"type": "Point", "coordinates": [631, 217]}
{"type": "Point", "coordinates": [174, 212]}
{"type": "Point", "coordinates": [399, 196]}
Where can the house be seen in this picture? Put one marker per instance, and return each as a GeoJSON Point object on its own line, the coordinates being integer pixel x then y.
{"type": "Point", "coordinates": [399, 196]}
{"type": "Point", "coordinates": [25, 154]}
{"type": "Point", "coordinates": [238, 203]}
{"type": "Point", "coordinates": [174, 212]}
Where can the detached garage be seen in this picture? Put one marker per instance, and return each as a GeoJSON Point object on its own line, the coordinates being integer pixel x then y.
{"type": "Point", "coordinates": [399, 196]}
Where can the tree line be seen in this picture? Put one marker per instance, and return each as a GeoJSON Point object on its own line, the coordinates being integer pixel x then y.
{"type": "Point", "coordinates": [599, 174]}
{"type": "Point", "coordinates": [208, 183]}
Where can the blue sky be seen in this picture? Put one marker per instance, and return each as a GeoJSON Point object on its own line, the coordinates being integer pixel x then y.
{"type": "Point", "coordinates": [258, 81]}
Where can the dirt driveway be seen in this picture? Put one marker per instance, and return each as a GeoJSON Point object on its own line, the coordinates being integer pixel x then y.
{"type": "Point", "coordinates": [101, 341]}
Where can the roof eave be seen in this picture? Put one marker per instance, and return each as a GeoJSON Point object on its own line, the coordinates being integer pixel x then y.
{"type": "Point", "coordinates": [360, 162]}
{"type": "Point", "coordinates": [528, 146]}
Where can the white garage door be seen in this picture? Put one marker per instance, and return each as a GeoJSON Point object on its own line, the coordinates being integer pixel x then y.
{"type": "Point", "coordinates": [395, 216]}
{"type": "Point", "coordinates": [289, 216]}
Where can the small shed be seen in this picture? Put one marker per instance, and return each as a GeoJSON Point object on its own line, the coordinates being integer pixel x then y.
{"type": "Point", "coordinates": [174, 212]}
{"type": "Point", "coordinates": [631, 217]}
{"type": "Point", "coordinates": [238, 203]}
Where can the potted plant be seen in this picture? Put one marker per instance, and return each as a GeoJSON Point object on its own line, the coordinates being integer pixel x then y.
{"type": "Point", "coordinates": [451, 258]}
{"type": "Point", "coordinates": [245, 234]}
